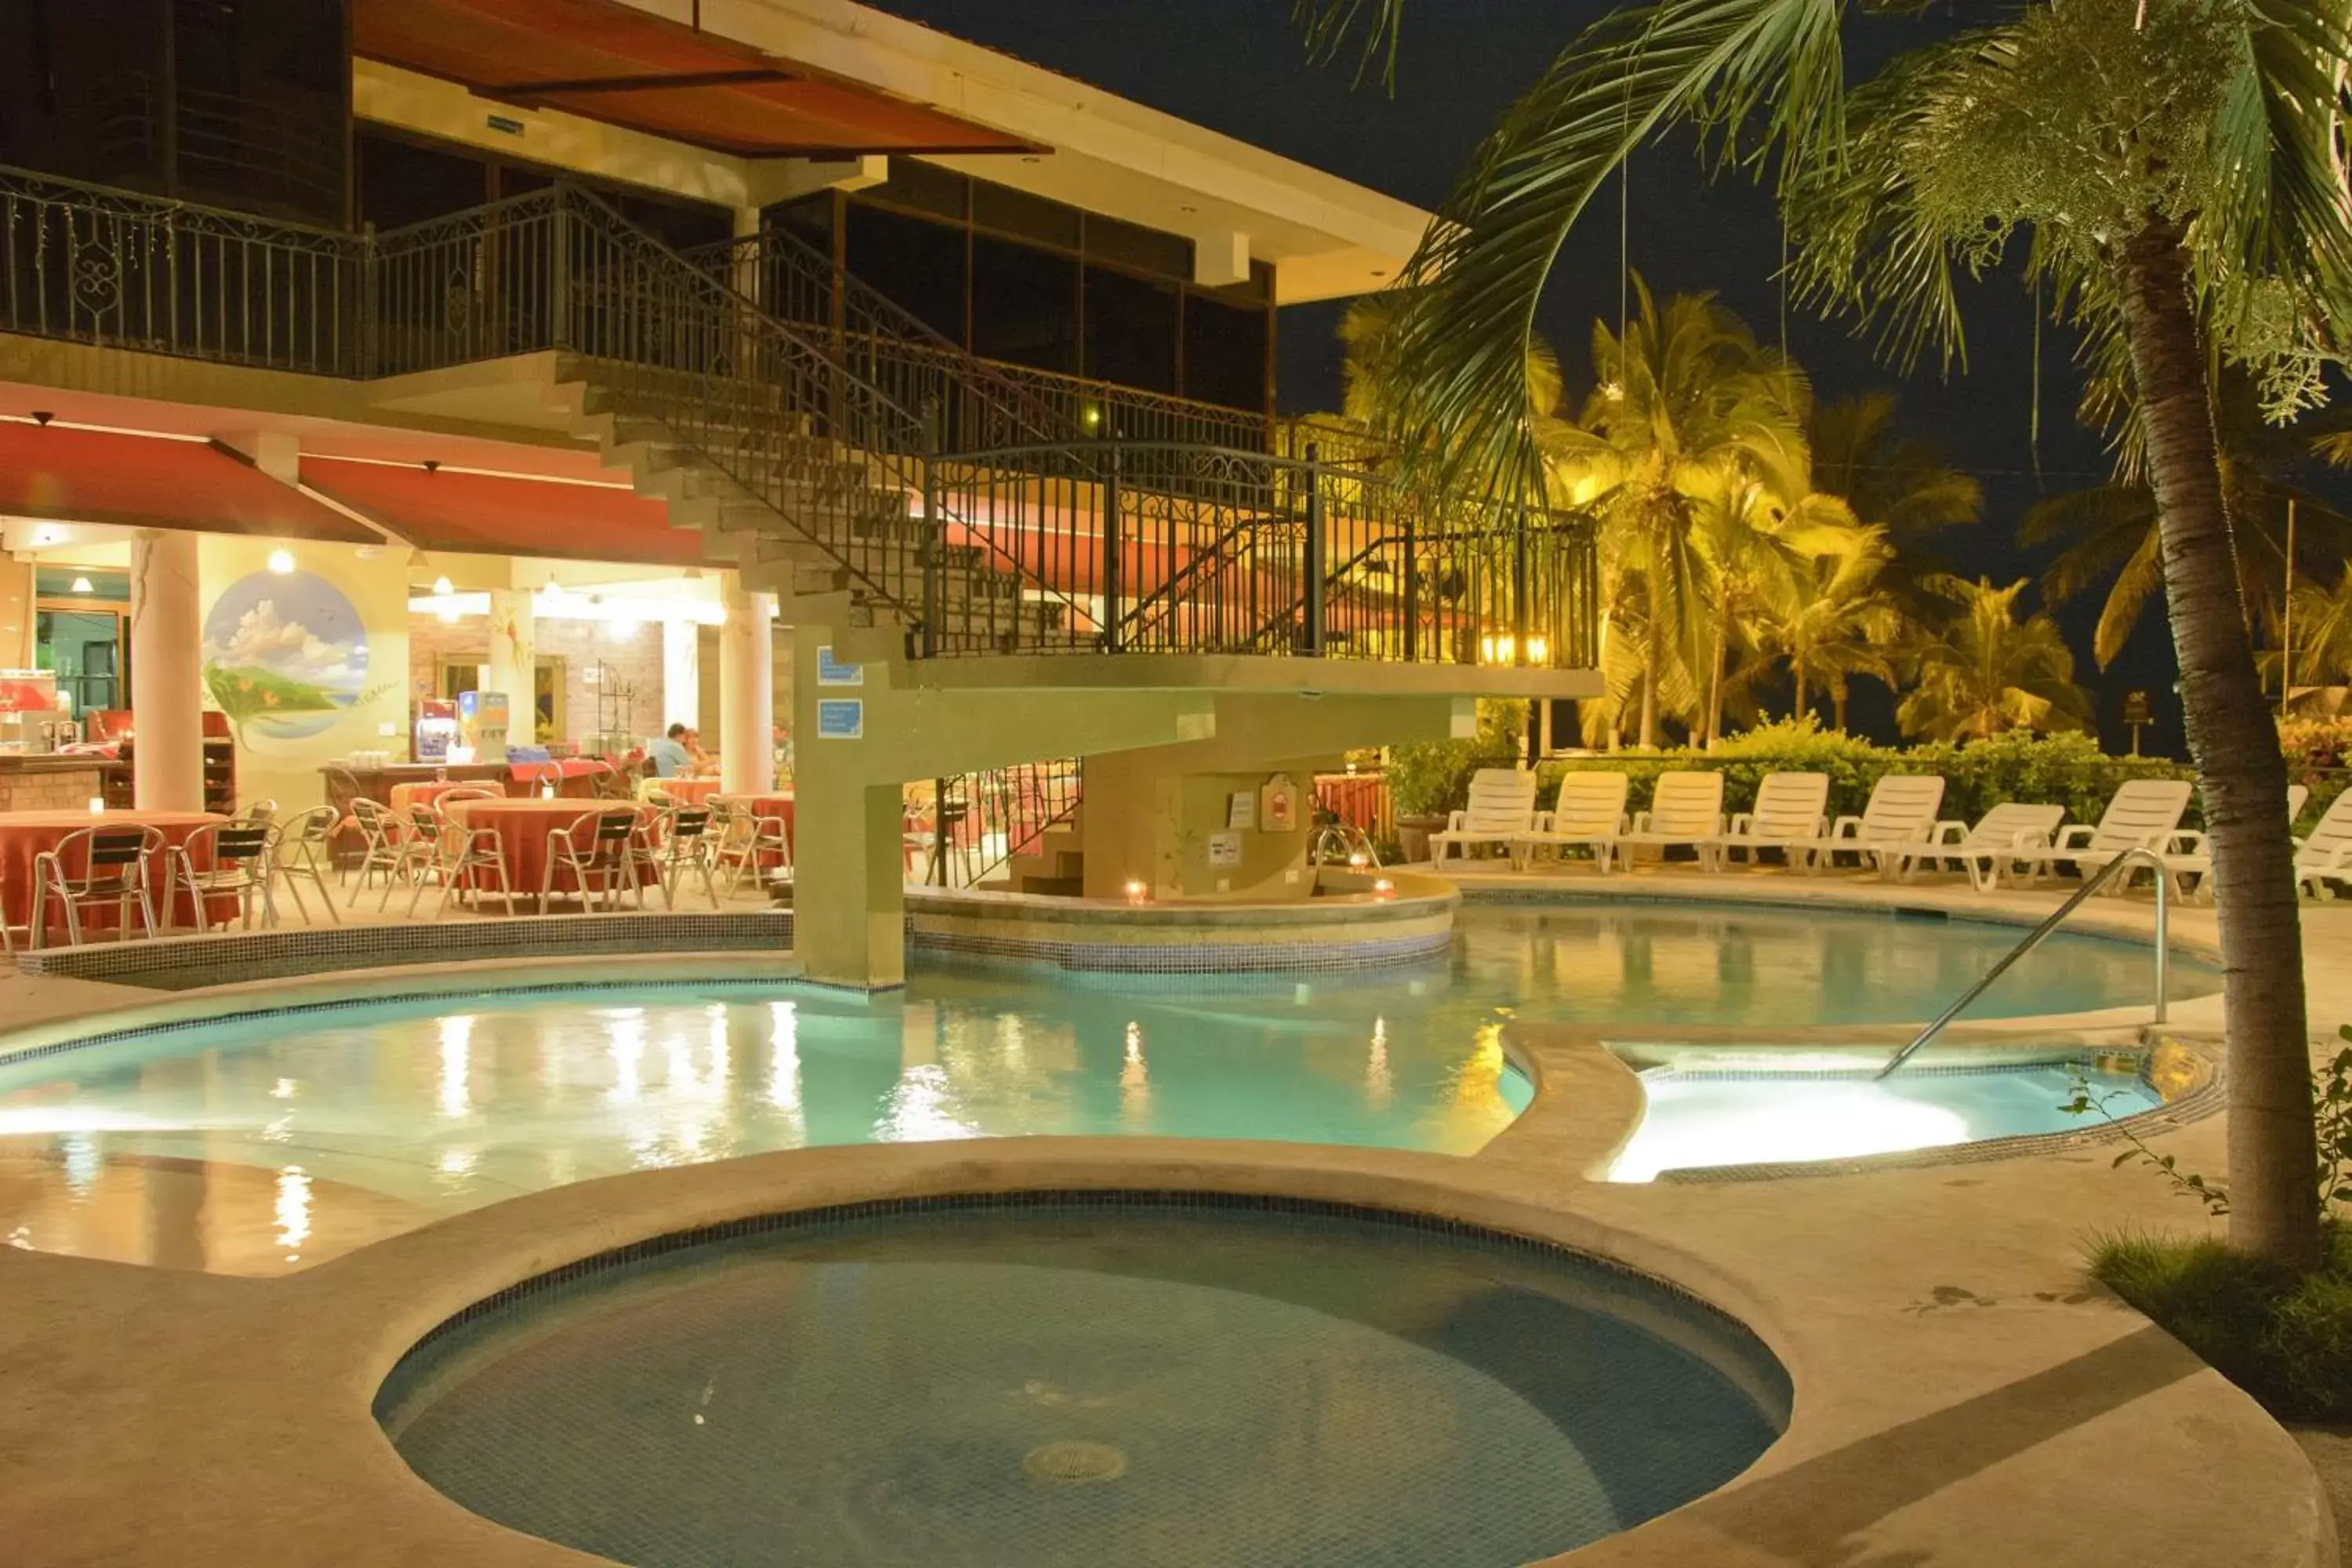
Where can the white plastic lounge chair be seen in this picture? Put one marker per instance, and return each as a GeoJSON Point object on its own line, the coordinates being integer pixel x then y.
{"type": "Point", "coordinates": [1901, 812]}
{"type": "Point", "coordinates": [2009, 833]}
{"type": "Point", "coordinates": [1502, 806]}
{"type": "Point", "coordinates": [1788, 814]}
{"type": "Point", "coordinates": [1591, 811]}
{"type": "Point", "coordinates": [2325, 854]}
{"type": "Point", "coordinates": [2190, 853]}
{"type": "Point", "coordinates": [1685, 807]}
{"type": "Point", "coordinates": [2143, 815]}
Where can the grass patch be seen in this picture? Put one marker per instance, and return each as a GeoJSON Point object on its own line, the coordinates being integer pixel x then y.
{"type": "Point", "coordinates": [2286, 1341]}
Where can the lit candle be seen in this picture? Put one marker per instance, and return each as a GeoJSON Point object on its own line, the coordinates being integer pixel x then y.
{"type": "Point", "coordinates": [1383, 888]}
{"type": "Point", "coordinates": [97, 804]}
{"type": "Point", "coordinates": [1137, 890]}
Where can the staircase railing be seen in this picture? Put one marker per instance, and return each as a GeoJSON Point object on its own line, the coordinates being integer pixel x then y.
{"type": "Point", "coordinates": [981, 820]}
{"type": "Point", "coordinates": [1065, 544]}
{"type": "Point", "coordinates": [1203, 550]}
{"type": "Point", "coordinates": [990, 403]}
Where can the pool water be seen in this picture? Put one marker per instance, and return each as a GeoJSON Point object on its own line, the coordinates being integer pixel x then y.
{"type": "Point", "coordinates": [1699, 1119]}
{"type": "Point", "coordinates": [1081, 1384]}
{"type": "Point", "coordinates": [376, 1116]}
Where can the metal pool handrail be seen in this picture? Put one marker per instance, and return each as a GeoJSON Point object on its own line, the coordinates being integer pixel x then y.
{"type": "Point", "coordinates": [2034, 938]}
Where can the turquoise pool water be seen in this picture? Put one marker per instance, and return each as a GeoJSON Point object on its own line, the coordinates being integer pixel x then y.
{"type": "Point", "coordinates": [1695, 1120]}
{"type": "Point", "coordinates": [1082, 1385]}
{"type": "Point", "coordinates": [451, 1101]}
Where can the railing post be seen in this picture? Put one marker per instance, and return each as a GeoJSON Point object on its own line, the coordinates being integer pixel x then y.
{"type": "Point", "coordinates": [1519, 589]}
{"type": "Point", "coordinates": [934, 548]}
{"type": "Point", "coordinates": [1314, 564]}
{"type": "Point", "coordinates": [370, 306]}
{"type": "Point", "coordinates": [1112, 566]}
{"type": "Point", "coordinates": [559, 261]}
{"type": "Point", "coordinates": [1411, 587]}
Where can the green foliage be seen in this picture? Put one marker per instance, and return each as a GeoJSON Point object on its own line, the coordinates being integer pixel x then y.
{"type": "Point", "coordinates": [1430, 778]}
{"type": "Point", "coordinates": [2068, 769]}
{"type": "Point", "coordinates": [2285, 1339]}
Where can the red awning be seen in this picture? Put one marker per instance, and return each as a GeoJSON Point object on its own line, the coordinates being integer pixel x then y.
{"type": "Point", "coordinates": [488, 514]}
{"type": "Point", "coordinates": [612, 62]}
{"type": "Point", "coordinates": [144, 481]}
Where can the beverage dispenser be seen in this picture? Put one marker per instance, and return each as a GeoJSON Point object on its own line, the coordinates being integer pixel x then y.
{"type": "Point", "coordinates": [482, 717]}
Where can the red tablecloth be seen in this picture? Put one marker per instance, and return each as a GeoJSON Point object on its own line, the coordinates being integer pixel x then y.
{"type": "Point", "coordinates": [1354, 798]}
{"type": "Point", "coordinates": [24, 835]}
{"type": "Point", "coordinates": [523, 827]}
{"type": "Point", "coordinates": [686, 791]}
{"type": "Point", "coordinates": [427, 792]}
{"type": "Point", "coordinates": [575, 777]}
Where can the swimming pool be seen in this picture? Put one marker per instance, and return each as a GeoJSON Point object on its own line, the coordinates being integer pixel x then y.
{"type": "Point", "coordinates": [264, 1142]}
{"type": "Point", "coordinates": [1698, 1121]}
{"type": "Point", "coordinates": [1075, 1384]}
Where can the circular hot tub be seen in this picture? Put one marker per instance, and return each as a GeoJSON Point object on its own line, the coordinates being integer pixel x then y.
{"type": "Point", "coordinates": [1086, 1379]}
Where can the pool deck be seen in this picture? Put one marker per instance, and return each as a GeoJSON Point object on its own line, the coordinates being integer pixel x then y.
{"type": "Point", "coordinates": [1964, 1394]}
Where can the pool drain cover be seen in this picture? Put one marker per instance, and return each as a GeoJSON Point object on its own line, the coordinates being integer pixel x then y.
{"type": "Point", "coordinates": [1074, 1463]}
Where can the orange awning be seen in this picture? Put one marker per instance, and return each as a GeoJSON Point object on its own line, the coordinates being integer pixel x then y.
{"type": "Point", "coordinates": [611, 62]}
{"type": "Point", "coordinates": [146, 481]}
{"type": "Point", "coordinates": [493, 514]}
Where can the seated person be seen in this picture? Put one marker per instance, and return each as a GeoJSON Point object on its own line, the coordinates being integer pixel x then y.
{"type": "Point", "coordinates": [668, 755]}
{"type": "Point", "coordinates": [704, 761]}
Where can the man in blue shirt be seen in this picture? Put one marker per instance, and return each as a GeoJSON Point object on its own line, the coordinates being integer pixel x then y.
{"type": "Point", "coordinates": [668, 755]}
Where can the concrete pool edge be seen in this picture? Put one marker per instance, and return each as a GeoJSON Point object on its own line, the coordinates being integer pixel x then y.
{"type": "Point", "coordinates": [274, 1457]}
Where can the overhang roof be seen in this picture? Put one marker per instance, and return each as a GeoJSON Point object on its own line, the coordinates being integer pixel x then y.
{"type": "Point", "coordinates": [623, 65]}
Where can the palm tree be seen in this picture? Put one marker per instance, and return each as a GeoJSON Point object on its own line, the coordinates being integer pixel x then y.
{"type": "Point", "coordinates": [2176, 165]}
{"type": "Point", "coordinates": [2111, 530]}
{"type": "Point", "coordinates": [2320, 658]}
{"type": "Point", "coordinates": [1686, 403]}
{"type": "Point", "coordinates": [1895, 483]}
{"type": "Point", "coordinates": [1834, 621]}
{"type": "Point", "coordinates": [1984, 671]}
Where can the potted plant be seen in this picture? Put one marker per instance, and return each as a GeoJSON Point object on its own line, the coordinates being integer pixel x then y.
{"type": "Point", "coordinates": [1430, 779]}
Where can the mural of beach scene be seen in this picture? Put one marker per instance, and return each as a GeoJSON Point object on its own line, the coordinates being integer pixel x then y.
{"type": "Point", "coordinates": [285, 655]}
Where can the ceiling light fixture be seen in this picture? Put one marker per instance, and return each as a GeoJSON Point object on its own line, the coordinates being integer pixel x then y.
{"type": "Point", "coordinates": [443, 585]}
{"type": "Point", "coordinates": [82, 585]}
{"type": "Point", "coordinates": [281, 562]}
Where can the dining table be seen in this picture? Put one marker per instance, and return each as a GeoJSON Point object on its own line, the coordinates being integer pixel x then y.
{"type": "Point", "coordinates": [525, 827]}
{"type": "Point", "coordinates": [25, 836]}
{"type": "Point", "coordinates": [685, 790]}
{"type": "Point", "coordinates": [425, 792]}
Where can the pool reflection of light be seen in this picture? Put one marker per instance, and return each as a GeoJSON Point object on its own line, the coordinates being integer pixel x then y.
{"type": "Point", "coordinates": [457, 1064]}
{"type": "Point", "coordinates": [1698, 1121]}
{"type": "Point", "coordinates": [784, 1057]}
{"type": "Point", "coordinates": [293, 1211]}
{"type": "Point", "coordinates": [1134, 1078]}
{"type": "Point", "coordinates": [917, 1110]}
{"type": "Point", "coordinates": [1379, 1084]}
{"type": "Point", "coordinates": [628, 1052]}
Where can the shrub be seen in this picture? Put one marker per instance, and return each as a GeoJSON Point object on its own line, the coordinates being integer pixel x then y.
{"type": "Point", "coordinates": [2286, 1341]}
{"type": "Point", "coordinates": [2064, 770]}
{"type": "Point", "coordinates": [1430, 778]}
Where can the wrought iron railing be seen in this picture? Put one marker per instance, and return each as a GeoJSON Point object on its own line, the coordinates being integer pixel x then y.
{"type": "Point", "coordinates": [92, 264]}
{"type": "Point", "coordinates": [1184, 548]}
{"type": "Point", "coordinates": [983, 820]}
{"type": "Point", "coordinates": [1073, 542]}
{"type": "Point", "coordinates": [985, 403]}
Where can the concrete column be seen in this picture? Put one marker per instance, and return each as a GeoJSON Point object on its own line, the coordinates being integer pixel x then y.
{"type": "Point", "coordinates": [849, 895]}
{"type": "Point", "coordinates": [681, 674]}
{"type": "Point", "coordinates": [747, 698]}
{"type": "Point", "coordinates": [513, 667]}
{"type": "Point", "coordinates": [167, 685]}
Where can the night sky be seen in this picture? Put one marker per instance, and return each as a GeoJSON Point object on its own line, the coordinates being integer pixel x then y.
{"type": "Point", "coordinates": [1236, 66]}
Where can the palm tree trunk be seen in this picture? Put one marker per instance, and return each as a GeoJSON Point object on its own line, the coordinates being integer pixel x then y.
{"type": "Point", "coordinates": [2274, 1202]}
{"type": "Point", "coordinates": [1715, 695]}
{"type": "Point", "coordinates": [1798, 670]}
{"type": "Point", "coordinates": [1837, 708]}
{"type": "Point", "coordinates": [1652, 658]}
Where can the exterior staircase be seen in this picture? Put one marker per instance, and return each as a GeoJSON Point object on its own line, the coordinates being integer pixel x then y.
{"type": "Point", "coordinates": [1055, 862]}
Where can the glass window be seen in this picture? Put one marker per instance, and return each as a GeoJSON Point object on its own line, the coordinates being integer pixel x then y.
{"type": "Point", "coordinates": [401, 182]}
{"type": "Point", "coordinates": [916, 262]}
{"type": "Point", "coordinates": [1025, 305]}
{"type": "Point", "coordinates": [1224, 352]}
{"type": "Point", "coordinates": [1130, 330]}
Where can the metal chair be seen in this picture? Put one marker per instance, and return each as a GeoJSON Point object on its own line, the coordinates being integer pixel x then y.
{"type": "Point", "coordinates": [600, 850]}
{"type": "Point", "coordinates": [391, 849]}
{"type": "Point", "coordinates": [682, 845]}
{"type": "Point", "coordinates": [745, 840]}
{"type": "Point", "coordinates": [237, 862]}
{"type": "Point", "coordinates": [305, 848]}
{"type": "Point", "coordinates": [114, 866]}
{"type": "Point", "coordinates": [456, 856]}
{"type": "Point", "coordinates": [258, 814]}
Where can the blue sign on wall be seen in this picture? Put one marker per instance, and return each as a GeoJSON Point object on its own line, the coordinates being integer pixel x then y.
{"type": "Point", "coordinates": [830, 671]}
{"type": "Point", "coordinates": [840, 719]}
